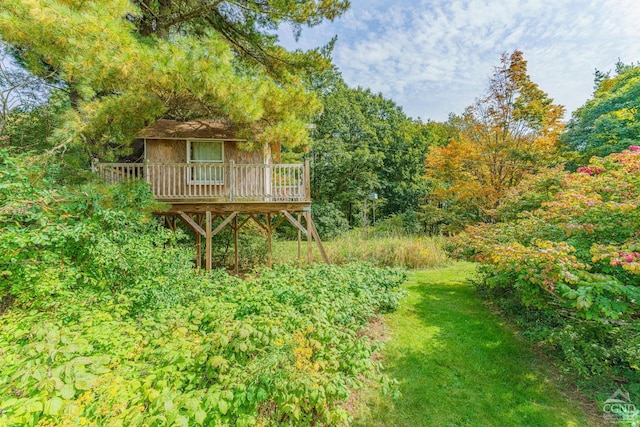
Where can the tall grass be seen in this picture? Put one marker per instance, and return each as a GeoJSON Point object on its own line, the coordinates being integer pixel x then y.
{"type": "Point", "coordinates": [413, 252]}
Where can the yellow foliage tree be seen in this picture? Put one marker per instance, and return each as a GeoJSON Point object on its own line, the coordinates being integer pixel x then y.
{"type": "Point", "coordinates": [510, 132]}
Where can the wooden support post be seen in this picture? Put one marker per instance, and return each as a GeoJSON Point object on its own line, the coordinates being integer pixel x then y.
{"type": "Point", "coordinates": [193, 225]}
{"type": "Point", "coordinates": [270, 259]}
{"type": "Point", "coordinates": [145, 167]}
{"type": "Point", "coordinates": [235, 240]}
{"type": "Point", "coordinates": [299, 240]}
{"type": "Point", "coordinates": [244, 222]}
{"type": "Point", "coordinates": [279, 222]}
{"type": "Point", "coordinates": [199, 220]}
{"type": "Point", "coordinates": [232, 180]}
{"type": "Point", "coordinates": [198, 251]}
{"type": "Point", "coordinates": [209, 236]}
{"type": "Point", "coordinates": [307, 181]}
{"type": "Point", "coordinates": [257, 221]}
{"type": "Point", "coordinates": [293, 221]}
{"type": "Point", "coordinates": [224, 223]}
{"type": "Point", "coordinates": [307, 218]}
{"type": "Point", "coordinates": [311, 228]}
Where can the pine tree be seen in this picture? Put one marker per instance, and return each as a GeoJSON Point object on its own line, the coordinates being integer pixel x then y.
{"type": "Point", "coordinates": [125, 64]}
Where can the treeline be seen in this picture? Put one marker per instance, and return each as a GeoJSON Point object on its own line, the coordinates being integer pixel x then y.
{"type": "Point", "coordinates": [369, 161]}
{"type": "Point", "coordinates": [438, 178]}
{"type": "Point", "coordinates": [367, 156]}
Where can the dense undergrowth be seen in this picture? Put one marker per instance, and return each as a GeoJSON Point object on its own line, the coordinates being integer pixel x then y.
{"type": "Point", "coordinates": [565, 262]}
{"type": "Point", "coordinates": [105, 322]}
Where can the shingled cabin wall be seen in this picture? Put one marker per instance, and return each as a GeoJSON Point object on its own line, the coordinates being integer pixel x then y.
{"type": "Point", "coordinates": [166, 151]}
{"type": "Point", "coordinates": [166, 143]}
{"type": "Point", "coordinates": [175, 151]}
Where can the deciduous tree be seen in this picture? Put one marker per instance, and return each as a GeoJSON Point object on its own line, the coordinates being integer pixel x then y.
{"type": "Point", "coordinates": [345, 159]}
{"type": "Point", "coordinates": [610, 121]}
{"type": "Point", "coordinates": [510, 132]}
{"type": "Point", "coordinates": [364, 143]}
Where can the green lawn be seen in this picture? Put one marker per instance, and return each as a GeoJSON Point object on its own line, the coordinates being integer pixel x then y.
{"type": "Point", "coordinates": [458, 365]}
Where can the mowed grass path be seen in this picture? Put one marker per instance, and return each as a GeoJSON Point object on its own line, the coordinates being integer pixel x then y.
{"type": "Point", "coordinates": [458, 365]}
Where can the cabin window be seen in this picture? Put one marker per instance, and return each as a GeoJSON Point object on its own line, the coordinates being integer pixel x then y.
{"type": "Point", "coordinates": [206, 158]}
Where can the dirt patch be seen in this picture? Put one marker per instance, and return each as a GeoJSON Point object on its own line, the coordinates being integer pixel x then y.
{"type": "Point", "coordinates": [376, 331]}
{"type": "Point", "coordinates": [6, 302]}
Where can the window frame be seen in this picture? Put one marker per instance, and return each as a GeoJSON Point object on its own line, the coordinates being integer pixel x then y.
{"type": "Point", "coordinates": [193, 180]}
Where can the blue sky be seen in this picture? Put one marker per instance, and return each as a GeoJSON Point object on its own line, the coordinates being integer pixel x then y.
{"type": "Point", "coordinates": [434, 57]}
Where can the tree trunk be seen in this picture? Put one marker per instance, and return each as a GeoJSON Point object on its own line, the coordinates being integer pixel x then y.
{"type": "Point", "coordinates": [164, 17]}
{"type": "Point", "coordinates": [146, 23]}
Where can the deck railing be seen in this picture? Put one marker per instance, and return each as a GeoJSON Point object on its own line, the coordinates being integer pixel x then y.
{"type": "Point", "coordinates": [215, 181]}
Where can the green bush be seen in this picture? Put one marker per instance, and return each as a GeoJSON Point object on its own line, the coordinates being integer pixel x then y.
{"type": "Point", "coordinates": [328, 219]}
{"type": "Point", "coordinates": [566, 257]}
{"type": "Point", "coordinates": [58, 242]}
{"type": "Point", "coordinates": [282, 349]}
{"type": "Point", "coordinates": [252, 248]}
{"type": "Point", "coordinates": [402, 224]}
{"type": "Point", "coordinates": [104, 321]}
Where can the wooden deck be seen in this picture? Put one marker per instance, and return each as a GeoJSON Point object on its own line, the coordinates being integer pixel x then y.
{"type": "Point", "coordinates": [207, 197]}
{"type": "Point", "coordinates": [215, 183]}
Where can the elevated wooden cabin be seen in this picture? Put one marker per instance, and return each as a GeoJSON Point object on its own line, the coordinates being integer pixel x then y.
{"type": "Point", "coordinates": [203, 162]}
{"type": "Point", "coordinates": [202, 171]}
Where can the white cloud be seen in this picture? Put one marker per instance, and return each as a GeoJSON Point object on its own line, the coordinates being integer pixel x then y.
{"type": "Point", "coordinates": [434, 57]}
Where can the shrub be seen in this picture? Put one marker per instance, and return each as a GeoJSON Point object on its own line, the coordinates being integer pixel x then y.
{"type": "Point", "coordinates": [281, 349]}
{"type": "Point", "coordinates": [572, 253]}
{"type": "Point", "coordinates": [105, 322]}
{"type": "Point", "coordinates": [252, 247]}
{"type": "Point", "coordinates": [57, 241]}
{"type": "Point", "coordinates": [328, 219]}
{"type": "Point", "coordinates": [403, 224]}
{"type": "Point", "coordinates": [576, 250]}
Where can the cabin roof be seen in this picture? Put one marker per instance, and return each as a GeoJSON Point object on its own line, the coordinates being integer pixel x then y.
{"type": "Point", "coordinates": [196, 129]}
